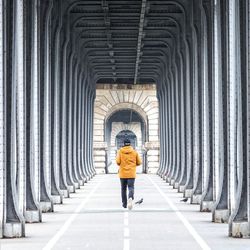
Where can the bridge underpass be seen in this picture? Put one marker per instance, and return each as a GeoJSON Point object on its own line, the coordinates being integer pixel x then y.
{"type": "Point", "coordinates": [55, 56]}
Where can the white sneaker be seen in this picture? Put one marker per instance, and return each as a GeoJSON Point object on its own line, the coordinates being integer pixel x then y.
{"type": "Point", "coordinates": [130, 203]}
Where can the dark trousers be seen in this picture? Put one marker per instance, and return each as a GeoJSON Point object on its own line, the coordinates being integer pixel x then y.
{"type": "Point", "coordinates": [127, 182]}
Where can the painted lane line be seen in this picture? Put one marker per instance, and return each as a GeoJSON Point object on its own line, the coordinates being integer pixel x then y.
{"type": "Point", "coordinates": [126, 241]}
{"type": "Point", "coordinates": [125, 222]}
{"type": "Point", "coordinates": [126, 232]}
{"type": "Point", "coordinates": [186, 223]}
{"type": "Point", "coordinates": [126, 215]}
{"type": "Point", "coordinates": [68, 222]}
{"type": "Point", "coordinates": [126, 244]}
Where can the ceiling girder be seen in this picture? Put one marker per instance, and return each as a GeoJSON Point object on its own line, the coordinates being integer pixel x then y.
{"type": "Point", "coordinates": [117, 37]}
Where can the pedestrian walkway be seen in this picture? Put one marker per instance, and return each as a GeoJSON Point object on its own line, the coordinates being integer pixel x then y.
{"type": "Point", "coordinates": [93, 219]}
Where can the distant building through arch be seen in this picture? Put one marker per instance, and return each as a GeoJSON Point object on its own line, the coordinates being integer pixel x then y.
{"type": "Point", "coordinates": [139, 99]}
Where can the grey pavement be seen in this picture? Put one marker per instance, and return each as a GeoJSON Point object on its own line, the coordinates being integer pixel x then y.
{"type": "Point", "coordinates": [93, 219]}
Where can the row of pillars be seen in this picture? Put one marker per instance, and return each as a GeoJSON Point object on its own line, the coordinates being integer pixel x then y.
{"type": "Point", "coordinates": [46, 113]}
{"type": "Point", "coordinates": [205, 111]}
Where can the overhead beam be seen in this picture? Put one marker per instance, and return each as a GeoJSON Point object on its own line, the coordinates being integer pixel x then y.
{"type": "Point", "coordinates": [139, 42]}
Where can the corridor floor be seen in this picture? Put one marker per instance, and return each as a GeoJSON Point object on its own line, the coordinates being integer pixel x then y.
{"type": "Point", "coordinates": [93, 219]}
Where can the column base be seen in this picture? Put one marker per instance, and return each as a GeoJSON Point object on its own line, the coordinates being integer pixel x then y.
{"type": "Point", "coordinates": [172, 181]}
{"type": "Point", "coordinates": [206, 206]}
{"type": "Point", "coordinates": [164, 177]}
{"type": "Point", "coordinates": [65, 193]}
{"type": "Point", "coordinates": [188, 193]}
{"type": "Point", "coordinates": [181, 188]}
{"type": "Point", "coordinates": [240, 230]}
{"type": "Point", "coordinates": [33, 216]}
{"type": "Point", "coordinates": [71, 189]}
{"type": "Point", "coordinates": [77, 185]}
{"type": "Point", "coordinates": [168, 179]}
{"type": "Point", "coordinates": [81, 182]}
{"type": "Point", "coordinates": [46, 206]}
{"type": "Point", "coordinates": [221, 216]}
{"type": "Point", "coordinates": [14, 230]}
{"type": "Point", "coordinates": [176, 185]}
{"type": "Point", "coordinates": [57, 199]}
{"type": "Point", "coordinates": [196, 199]}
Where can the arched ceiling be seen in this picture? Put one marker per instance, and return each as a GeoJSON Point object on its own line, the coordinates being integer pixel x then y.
{"type": "Point", "coordinates": [125, 116]}
{"type": "Point", "coordinates": [125, 41]}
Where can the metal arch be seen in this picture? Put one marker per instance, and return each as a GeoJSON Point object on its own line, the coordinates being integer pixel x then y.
{"type": "Point", "coordinates": [76, 22]}
{"type": "Point", "coordinates": [158, 59]}
{"type": "Point", "coordinates": [157, 49]}
{"type": "Point", "coordinates": [98, 78]}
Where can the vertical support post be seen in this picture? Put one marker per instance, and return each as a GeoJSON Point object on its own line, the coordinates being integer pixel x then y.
{"type": "Point", "coordinates": [75, 131]}
{"type": "Point", "coordinates": [221, 209]}
{"type": "Point", "coordinates": [65, 124]}
{"type": "Point", "coordinates": [188, 187]}
{"type": "Point", "coordinates": [13, 46]}
{"type": "Point", "coordinates": [56, 194]}
{"type": "Point", "coordinates": [207, 200]}
{"type": "Point", "coordinates": [186, 84]}
{"type": "Point", "coordinates": [182, 125]}
{"type": "Point", "coordinates": [32, 212]}
{"type": "Point", "coordinates": [43, 19]}
{"type": "Point", "coordinates": [170, 149]}
{"type": "Point", "coordinates": [198, 113]}
{"type": "Point", "coordinates": [239, 219]}
{"type": "Point", "coordinates": [2, 120]}
{"type": "Point", "coordinates": [69, 122]}
{"type": "Point", "coordinates": [61, 115]}
{"type": "Point", "coordinates": [79, 121]}
{"type": "Point", "coordinates": [81, 127]}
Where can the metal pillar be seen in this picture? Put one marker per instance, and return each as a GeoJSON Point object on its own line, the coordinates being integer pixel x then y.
{"type": "Point", "coordinates": [13, 221]}
{"type": "Point", "coordinates": [198, 114]}
{"type": "Point", "coordinates": [207, 201]}
{"type": "Point", "coordinates": [67, 122]}
{"type": "Point", "coordinates": [2, 116]}
{"type": "Point", "coordinates": [56, 194]}
{"type": "Point", "coordinates": [221, 209]}
{"type": "Point", "coordinates": [76, 135]}
{"type": "Point", "coordinates": [32, 212]}
{"type": "Point", "coordinates": [239, 219]}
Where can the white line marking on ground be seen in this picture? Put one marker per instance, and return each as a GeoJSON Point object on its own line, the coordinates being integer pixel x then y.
{"type": "Point", "coordinates": [125, 222]}
{"type": "Point", "coordinates": [126, 232]}
{"type": "Point", "coordinates": [126, 240]}
{"type": "Point", "coordinates": [186, 223]}
{"type": "Point", "coordinates": [68, 222]}
{"type": "Point", "coordinates": [126, 244]}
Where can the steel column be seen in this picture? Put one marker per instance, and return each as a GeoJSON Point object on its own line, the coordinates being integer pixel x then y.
{"type": "Point", "coordinates": [13, 221]}
{"type": "Point", "coordinates": [44, 8]}
{"type": "Point", "coordinates": [32, 213]}
{"type": "Point", "coordinates": [208, 193]}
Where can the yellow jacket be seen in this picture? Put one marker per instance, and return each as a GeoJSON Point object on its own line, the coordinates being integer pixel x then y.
{"type": "Point", "coordinates": [127, 158]}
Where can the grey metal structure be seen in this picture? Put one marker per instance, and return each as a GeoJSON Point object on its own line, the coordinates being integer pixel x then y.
{"type": "Point", "coordinates": [53, 53]}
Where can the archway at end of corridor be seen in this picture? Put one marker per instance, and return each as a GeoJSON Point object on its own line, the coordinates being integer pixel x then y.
{"type": "Point", "coordinates": [123, 108]}
{"type": "Point", "coordinates": [120, 125]}
{"type": "Point", "coordinates": [119, 139]}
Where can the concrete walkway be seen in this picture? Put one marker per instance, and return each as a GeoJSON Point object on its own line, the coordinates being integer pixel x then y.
{"type": "Point", "coordinates": [93, 219]}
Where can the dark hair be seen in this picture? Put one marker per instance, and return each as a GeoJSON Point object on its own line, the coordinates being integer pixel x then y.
{"type": "Point", "coordinates": [127, 142]}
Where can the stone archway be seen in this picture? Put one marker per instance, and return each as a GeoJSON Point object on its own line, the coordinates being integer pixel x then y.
{"type": "Point", "coordinates": [117, 127]}
{"type": "Point", "coordinates": [113, 98]}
